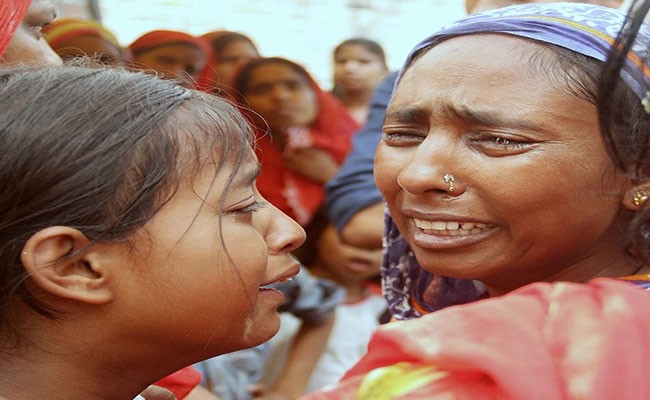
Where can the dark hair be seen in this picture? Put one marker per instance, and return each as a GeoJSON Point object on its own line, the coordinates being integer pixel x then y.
{"type": "Point", "coordinates": [221, 42]}
{"type": "Point", "coordinates": [626, 127]}
{"type": "Point", "coordinates": [99, 150]}
{"type": "Point", "coordinates": [370, 45]}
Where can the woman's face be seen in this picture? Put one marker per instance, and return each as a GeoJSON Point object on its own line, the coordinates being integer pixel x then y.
{"type": "Point", "coordinates": [235, 55]}
{"type": "Point", "coordinates": [357, 69]}
{"type": "Point", "coordinates": [182, 62]}
{"type": "Point", "coordinates": [282, 96]}
{"type": "Point", "coordinates": [196, 276]}
{"type": "Point", "coordinates": [536, 196]}
{"type": "Point", "coordinates": [27, 45]}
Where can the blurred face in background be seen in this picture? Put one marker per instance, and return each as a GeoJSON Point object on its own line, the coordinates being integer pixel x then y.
{"type": "Point", "coordinates": [182, 62]}
{"type": "Point", "coordinates": [230, 60]}
{"type": "Point", "coordinates": [282, 96]}
{"type": "Point", "coordinates": [357, 69]}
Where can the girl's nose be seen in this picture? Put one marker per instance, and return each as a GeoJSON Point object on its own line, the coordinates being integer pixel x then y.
{"type": "Point", "coordinates": [284, 234]}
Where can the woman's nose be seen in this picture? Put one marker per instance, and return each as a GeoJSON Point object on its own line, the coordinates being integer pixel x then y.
{"type": "Point", "coordinates": [431, 167]}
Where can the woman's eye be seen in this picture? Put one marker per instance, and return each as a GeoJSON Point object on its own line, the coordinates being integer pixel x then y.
{"type": "Point", "coordinates": [508, 143]}
{"type": "Point", "coordinates": [402, 138]}
{"type": "Point", "coordinates": [501, 145]}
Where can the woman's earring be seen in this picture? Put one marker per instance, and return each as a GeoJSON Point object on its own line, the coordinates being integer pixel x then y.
{"type": "Point", "coordinates": [640, 197]}
{"type": "Point", "coordinates": [449, 179]}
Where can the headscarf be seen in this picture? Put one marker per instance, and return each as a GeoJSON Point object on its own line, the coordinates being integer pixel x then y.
{"type": "Point", "coordinates": [542, 341]}
{"type": "Point", "coordinates": [64, 29]}
{"type": "Point", "coordinates": [161, 38]}
{"type": "Point", "coordinates": [332, 131]}
{"type": "Point", "coordinates": [11, 15]}
{"type": "Point", "coordinates": [582, 28]}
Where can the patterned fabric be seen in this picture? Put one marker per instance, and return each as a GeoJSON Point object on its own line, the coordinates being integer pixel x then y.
{"type": "Point", "coordinates": [543, 341]}
{"type": "Point", "coordinates": [586, 29]}
{"type": "Point", "coordinates": [11, 15]}
{"type": "Point", "coordinates": [583, 28]}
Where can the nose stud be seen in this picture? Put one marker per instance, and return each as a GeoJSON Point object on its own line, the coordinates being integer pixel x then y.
{"type": "Point", "coordinates": [449, 179]}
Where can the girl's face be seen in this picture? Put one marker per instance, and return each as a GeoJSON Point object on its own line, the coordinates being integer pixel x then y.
{"type": "Point", "coordinates": [27, 44]}
{"type": "Point", "coordinates": [196, 277]}
{"type": "Point", "coordinates": [282, 96]}
{"type": "Point", "coordinates": [357, 69]}
{"type": "Point", "coordinates": [536, 197]}
{"type": "Point", "coordinates": [235, 55]}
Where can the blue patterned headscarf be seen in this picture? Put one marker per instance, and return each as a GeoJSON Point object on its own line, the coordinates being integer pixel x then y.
{"type": "Point", "coordinates": [585, 29]}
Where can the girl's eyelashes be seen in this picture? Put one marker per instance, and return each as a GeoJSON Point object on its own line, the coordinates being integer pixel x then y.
{"type": "Point", "coordinates": [249, 209]}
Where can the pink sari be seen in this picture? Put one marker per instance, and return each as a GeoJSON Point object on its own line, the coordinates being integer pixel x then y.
{"type": "Point", "coordinates": [543, 341]}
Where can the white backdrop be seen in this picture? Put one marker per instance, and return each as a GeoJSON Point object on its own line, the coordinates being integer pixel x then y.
{"type": "Point", "coordinates": [303, 30]}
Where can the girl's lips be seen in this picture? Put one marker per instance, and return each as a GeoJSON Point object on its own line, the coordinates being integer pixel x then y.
{"type": "Point", "coordinates": [285, 276]}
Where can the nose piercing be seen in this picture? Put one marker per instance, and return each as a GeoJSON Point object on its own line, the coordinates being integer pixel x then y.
{"type": "Point", "coordinates": [449, 178]}
{"type": "Point", "coordinates": [641, 197]}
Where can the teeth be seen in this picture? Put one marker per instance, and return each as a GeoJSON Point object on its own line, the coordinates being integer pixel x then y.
{"type": "Point", "coordinates": [452, 228]}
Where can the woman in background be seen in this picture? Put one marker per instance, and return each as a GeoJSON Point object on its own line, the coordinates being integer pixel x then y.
{"type": "Point", "coordinates": [229, 52]}
{"type": "Point", "coordinates": [171, 55]}
{"type": "Point", "coordinates": [303, 133]}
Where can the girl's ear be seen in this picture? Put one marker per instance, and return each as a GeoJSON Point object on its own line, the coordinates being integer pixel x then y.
{"type": "Point", "coordinates": [636, 196]}
{"type": "Point", "coordinates": [50, 258]}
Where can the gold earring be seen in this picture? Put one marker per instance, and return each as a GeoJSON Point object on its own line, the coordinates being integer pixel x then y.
{"type": "Point", "coordinates": [449, 178]}
{"type": "Point", "coordinates": [640, 197]}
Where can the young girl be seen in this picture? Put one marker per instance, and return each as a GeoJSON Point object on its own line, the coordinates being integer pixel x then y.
{"type": "Point", "coordinates": [134, 242]}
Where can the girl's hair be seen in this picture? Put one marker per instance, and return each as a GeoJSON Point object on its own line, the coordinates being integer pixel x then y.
{"type": "Point", "coordinates": [99, 150]}
{"type": "Point", "coordinates": [625, 126]}
{"type": "Point", "coordinates": [370, 45]}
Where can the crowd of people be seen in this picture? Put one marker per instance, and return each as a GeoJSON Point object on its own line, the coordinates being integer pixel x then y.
{"type": "Point", "coordinates": [185, 217]}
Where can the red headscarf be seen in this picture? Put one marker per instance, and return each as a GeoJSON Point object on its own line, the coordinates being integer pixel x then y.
{"type": "Point", "coordinates": [11, 15]}
{"type": "Point", "coordinates": [543, 341]}
{"type": "Point", "coordinates": [159, 38]}
{"type": "Point", "coordinates": [293, 193]}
